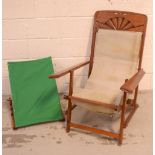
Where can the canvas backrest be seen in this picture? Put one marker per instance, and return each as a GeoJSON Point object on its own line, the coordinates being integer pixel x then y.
{"type": "Point", "coordinates": [116, 56]}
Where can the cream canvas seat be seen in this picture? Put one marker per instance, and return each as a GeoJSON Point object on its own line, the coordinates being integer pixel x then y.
{"type": "Point", "coordinates": [114, 70]}
{"type": "Point", "coordinates": [116, 59]}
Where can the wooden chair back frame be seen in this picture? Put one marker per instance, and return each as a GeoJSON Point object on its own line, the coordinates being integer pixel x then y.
{"type": "Point", "coordinates": [118, 20]}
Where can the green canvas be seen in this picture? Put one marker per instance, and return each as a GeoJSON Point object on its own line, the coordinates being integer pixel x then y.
{"type": "Point", "coordinates": [35, 96]}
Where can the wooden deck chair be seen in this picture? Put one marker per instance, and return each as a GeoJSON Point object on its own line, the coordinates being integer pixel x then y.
{"type": "Point", "coordinates": [114, 69]}
{"type": "Point", "coordinates": [34, 98]}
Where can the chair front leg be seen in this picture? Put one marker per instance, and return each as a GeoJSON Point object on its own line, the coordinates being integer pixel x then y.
{"type": "Point", "coordinates": [69, 111]}
{"type": "Point", "coordinates": [122, 119]}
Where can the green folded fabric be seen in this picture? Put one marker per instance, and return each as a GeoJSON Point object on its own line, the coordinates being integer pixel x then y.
{"type": "Point", "coordinates": [35, 96]}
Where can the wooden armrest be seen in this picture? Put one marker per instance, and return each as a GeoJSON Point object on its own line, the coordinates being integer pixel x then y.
{"type": "Point", "coordinates": [68, 70]}
{"type": "Point", "coordinates": [130, 85]}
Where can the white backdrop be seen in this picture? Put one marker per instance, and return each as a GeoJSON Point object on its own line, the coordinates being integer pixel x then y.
{"type": "Point", "coordinates": [62, 29]}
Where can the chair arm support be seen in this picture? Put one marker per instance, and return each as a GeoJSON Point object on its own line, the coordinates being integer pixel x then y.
{"type": "Point", "coordinates": [130, 85]}
{"type": "Point", "coordinates": [68, 70]}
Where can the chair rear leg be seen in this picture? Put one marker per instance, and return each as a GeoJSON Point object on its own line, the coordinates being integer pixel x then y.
{"type": "Point", "coordinates": [135, 97]}
{"type": "Point", "coordinates": [122, 120]}
{"type": "Point", "coordinates": [12, 116]}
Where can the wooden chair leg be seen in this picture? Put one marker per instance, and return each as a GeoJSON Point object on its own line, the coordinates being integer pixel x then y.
{"type": "Point", "coordinates": [122, 120]}
{"type": "Point", "coordinates": [135, 98]}
{"type": "Point", "coordinates": [70, 102]}
{"type": "Point", "coordinates": [69, 115]}
{"type": "Point", "coordinates": [134, 107]}
{"type": "Point", "coordinates": [12, 116]}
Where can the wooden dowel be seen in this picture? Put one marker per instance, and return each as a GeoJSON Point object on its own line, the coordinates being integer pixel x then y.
{"type": "Point", "coordinates": [98, 131]}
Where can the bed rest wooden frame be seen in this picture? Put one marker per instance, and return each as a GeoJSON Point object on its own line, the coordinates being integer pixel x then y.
{"type": "Point", "coordinates": [115, 20]}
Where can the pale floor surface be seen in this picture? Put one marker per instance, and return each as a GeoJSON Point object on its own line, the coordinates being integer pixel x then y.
{"type": "Point", "coordinates": [51, 138]}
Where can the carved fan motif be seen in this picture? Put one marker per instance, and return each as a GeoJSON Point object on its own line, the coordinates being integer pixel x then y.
{"type": "Point", "coordinates": [117, 23]}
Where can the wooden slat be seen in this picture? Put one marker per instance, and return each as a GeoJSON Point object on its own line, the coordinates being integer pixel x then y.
{"type": "Point", "coordinates": [98, 131]}
{"type": "Point", "coordinates": [115, 22]}
{"type": "Point", "coordinates": [110, 24]}
{"type": "Point", "coordinates": [119, 22]}
{"type": "Point", "coordinates": [128, 26]}
{"type": "Point", "coordinates": [111, 106]}
{"type": "Point", "coordinates": [124, 23]}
